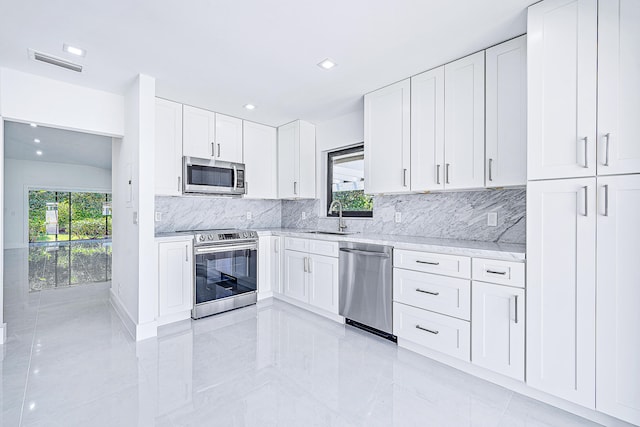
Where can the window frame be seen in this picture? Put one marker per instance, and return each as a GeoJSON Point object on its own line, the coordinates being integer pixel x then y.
{"type": "Point", "coordinates": [329, 193]}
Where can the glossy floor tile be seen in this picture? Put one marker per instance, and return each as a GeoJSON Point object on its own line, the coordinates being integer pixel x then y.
{"type": "Point", "coordinates": [70, 362]}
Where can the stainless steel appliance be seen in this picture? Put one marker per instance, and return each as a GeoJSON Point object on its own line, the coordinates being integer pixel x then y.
{"type": "Point", "coordinates": [213, 177]}
{"type": "Point", "coordinates": [366, 287]}
{"type": "Point", "coordinates": [226, 271]}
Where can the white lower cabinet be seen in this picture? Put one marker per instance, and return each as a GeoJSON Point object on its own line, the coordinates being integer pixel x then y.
{"type": "Point", "coordinates": [561, 288]}
{"type": "Point", "coordinates": [432, 330]}
{"type": "Point", "coordinates": [175, 279]}
{"type": "Point", "coordinates": [498, 328]}
{"type": "Point", "coordinates": [618, 295]}
{"type": "Point", "coordinates": [311, 278]}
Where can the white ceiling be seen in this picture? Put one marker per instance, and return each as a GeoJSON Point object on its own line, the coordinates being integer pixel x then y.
{"type": "Point", "coordinates": [223, 54]}
{"type": "Point", "coordinates": [57, 145]}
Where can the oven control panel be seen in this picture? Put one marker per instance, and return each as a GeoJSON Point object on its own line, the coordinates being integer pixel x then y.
{"type": "Point", "coordinates": [225, 236]}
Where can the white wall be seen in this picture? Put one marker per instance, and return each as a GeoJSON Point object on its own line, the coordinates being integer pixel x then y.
{"type": "Point", "coordinates": [332, 134]}
{"type": "Point", "coordinates": [22, 175]}
{"type": "Point", "coordinates": [27, 97]}
{"type": "Point", "coordinates": [133, 290]}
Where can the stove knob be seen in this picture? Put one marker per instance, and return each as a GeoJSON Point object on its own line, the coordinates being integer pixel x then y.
{"type": "Point", "coordinates": [201, 238]}
{"type": "Point", "coordinates": [210, 237]}
{"type": "Point", "coordinates": [245, 234]}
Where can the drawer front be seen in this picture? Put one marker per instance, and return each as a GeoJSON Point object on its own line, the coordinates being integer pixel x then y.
{"type": "Point", "coordinates": [445, 295]}
{"type": "Point", "coordinates": [435, 331]}
{"type": "Point", "coordinates": [501, 272]}
{"type": "Point", "coordinates": [323, 247]}
{"type": "Point", "coordinates": [296, 244]}
{"type": "Point", "coordinates": [448, 265]}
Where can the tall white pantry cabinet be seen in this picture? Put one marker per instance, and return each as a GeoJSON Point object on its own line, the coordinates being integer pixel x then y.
{"type": "Point", "coordinates": [583, 203]}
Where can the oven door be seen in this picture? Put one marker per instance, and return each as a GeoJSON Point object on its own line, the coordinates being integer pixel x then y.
{"type": "Point", "coordinates": [214, 177]}
{"type": "Point", "coordinates": [225, 271]}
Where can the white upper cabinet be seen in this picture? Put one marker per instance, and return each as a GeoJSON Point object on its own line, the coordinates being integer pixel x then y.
{"type": "Point", "coordinates": [562, 68]}
{"type": "Point", "coordinates": [618, 294]}
{"type": "Point", "coordinates": [228, 139]}
{"type": "Point", "coordinates": [261, 160]}
{"type": "Point", "coordinates": [387, 139]}
{"type": "Point", "coordinates": [618, 87]}
{"type": "Point", "coordinates": [561, 272]}
{"type": "Point", "coordinates": [464, 122]}
{"type": "Point", "coordinates": [168, 152]}
{"type": "Point", "coordinates": [497, 329]}
{"type": "Point", "coordinates": [210, 135]}
{"type": "Point", "coordinates": [427, 130]}
{"type": "Point", "coordinates": [198, 132]}
{"type": "Point", "coordinates": [297, 160]}
{"type": "Point", "coordinates": [506, 114]}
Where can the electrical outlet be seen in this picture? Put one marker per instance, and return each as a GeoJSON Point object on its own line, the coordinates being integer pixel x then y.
{"type": "Point", "coordinates": [135, 218]}
{"type": "Point", "coordinates": [304, 215]}
{"type": "Point", "coordinates": [492, 219]}
{"type": "Point", "coordinates": [158, 216]}
{"type": "Point", "coordinates": [249, 215]}
{"type": "Point", "coordinates": [398, 217]}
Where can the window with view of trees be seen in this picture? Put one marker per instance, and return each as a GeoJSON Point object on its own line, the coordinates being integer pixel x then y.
{"type": "Point", "coordinates": [63, 216]}
{"type": "Point", "coordinates": [345, 182]}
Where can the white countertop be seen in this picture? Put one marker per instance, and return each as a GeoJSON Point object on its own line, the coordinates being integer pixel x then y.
{"type": "Point", "coordinates": [502, 251]}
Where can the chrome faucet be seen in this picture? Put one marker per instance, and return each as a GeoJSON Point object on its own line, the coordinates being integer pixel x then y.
{"type": "Point", "coordinates": [341, 224]}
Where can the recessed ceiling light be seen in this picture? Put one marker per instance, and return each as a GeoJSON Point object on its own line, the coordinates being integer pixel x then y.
{"type": "Point", "coordinates": [250, 107]}
{"type": "Point", "coordinates": [37, 141]}
{"type": "Point", "coordinates": [327, 64]}
{"type": "Point", "coordinates": [33, 125]}
{"type": "Point", "coordinates": [74, 50]}
{"type": "Point", "coordinates": [39, 153]}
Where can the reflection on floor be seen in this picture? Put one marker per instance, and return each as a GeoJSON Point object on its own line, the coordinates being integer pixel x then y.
{"type": "Point", "coordinates": [70, 362]}
{"type": "Point", "coordinates": [62, 264]}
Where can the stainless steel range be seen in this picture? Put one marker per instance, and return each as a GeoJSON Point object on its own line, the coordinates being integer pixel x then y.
{"type": "Point", "coordinates": [226, 271]}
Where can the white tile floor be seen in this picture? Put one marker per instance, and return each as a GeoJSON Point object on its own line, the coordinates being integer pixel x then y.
{"type": "Point", "coordinates": [69, 362]}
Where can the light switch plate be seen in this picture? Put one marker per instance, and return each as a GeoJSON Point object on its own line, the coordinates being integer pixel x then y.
{"type": "Point", "coordinates": [304, 215]}
{"type": "Point", "coordinates": [398, 217]}
{"type": "Point", "coordinates": [492, 219]}
{"type": "Point", "coordinates": [249, 215]}
{"type": "Point", "coordinates": [158, 216]}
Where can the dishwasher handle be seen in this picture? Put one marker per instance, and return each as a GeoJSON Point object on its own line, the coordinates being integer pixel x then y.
{"type": "Point", "coordinates": [365, 253]}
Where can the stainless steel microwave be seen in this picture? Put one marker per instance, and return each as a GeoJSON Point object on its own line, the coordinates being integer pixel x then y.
{"type": "Point", "coordinates": [213, 177]}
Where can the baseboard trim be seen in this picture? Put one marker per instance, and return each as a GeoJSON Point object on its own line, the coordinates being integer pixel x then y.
{"type": "Point", "coordinates": [264, 295]}
{"type": "Point", "coordinates": [174, 317]}
{"type": "Point", "coordinates": [309, 307]}
{"type": "Point", "coordinates": [146, 330]}
{"type": "Point", "coordinates": [123, 314]}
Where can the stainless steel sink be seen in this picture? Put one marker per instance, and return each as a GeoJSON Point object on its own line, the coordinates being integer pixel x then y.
{"type": "Point", "coordinates": [337, 233]}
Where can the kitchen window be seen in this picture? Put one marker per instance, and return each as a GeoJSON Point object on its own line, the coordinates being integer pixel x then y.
{"type": "Point", "coordinates": [345, 182]}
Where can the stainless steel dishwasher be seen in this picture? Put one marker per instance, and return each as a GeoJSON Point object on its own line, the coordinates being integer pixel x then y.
{"type": "Point", "coordinates": [366, 287]}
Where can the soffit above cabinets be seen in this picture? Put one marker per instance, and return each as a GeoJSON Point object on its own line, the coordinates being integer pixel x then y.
{"type": "Point", "coordinates": [223, 55]}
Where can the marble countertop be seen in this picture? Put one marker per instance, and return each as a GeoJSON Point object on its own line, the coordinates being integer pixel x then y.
{"type": "Point", "coordinates": [502, 251]}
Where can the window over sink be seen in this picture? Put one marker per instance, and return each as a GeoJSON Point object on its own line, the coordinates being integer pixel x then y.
{"type": "Point", "coordinates": [345, 182]}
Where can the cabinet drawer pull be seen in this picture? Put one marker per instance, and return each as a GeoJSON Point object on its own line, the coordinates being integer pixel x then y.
{"type": "Point", "coordinates": [213, 150]}
{"type": "Point", "coordinates": [490, 171]}
{"type": "Point", "coordinates": [427, 330]}
{"type": "Point", "coordinates": [404, 177]}
{"type": "Point", "coordinates": [438, 174]}
{"type": "Point", "coordinates": [606, 146]}
{"type": "Point", "coordinates": [502, 273]}
{"type": "Point", "coordinates": [427, 262]}
{"type": "Point", "coordinates": [606, 199]}
{"type": "Point", "coordinates": [446, 173]}
{"type": "Point", "coordinates": [427, 292]}
{"type": "Point", "coordinates": [218, 150]}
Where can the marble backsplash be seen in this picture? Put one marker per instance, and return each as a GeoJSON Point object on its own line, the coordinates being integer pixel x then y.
{"type": "Point", "coordinates": [206, 212]}
{"type": "Point", "coordinates": [452, 215]}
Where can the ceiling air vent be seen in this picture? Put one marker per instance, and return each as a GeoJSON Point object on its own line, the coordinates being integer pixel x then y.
{"type": "Point", "coordinates": [39, 56]}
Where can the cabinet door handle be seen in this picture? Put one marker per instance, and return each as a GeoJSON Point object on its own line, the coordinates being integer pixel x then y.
{"type": "Point", "coordinates": [607, 136]}
{"type": "Point", "coordinates": [446, 173]}
{"type": "Point", "coordinates": [606, 199]}
{"type": "Point", "coordinates": [490, 167]}
{"type": "Point", "coordinates": [586, 151]}
{"type": "Point", "coordinates": [218, 150]}
{"type": "Point", "coordinates": [428, 292]}
{"type": "Point", "coordinates": [213, 150]}
{"type": "Point", "coordinates": [428, 262]}
{"type": "Point", "coordinates": [586, 202]}
{"type": "Point", "coordinates": [179, 184]}
{"type": "Point", "coordinates": [186, 253]}
{"type": "Point", "coordinates": [305, 265]}
{"type": "Point", "coordinates": [276, 246]}
{"type": "Point", "coordinates": [438, 174]}
{"type": "Point", "coordinates": [502, 273]}
{"type": "Point", "coordinates": [427, 330]}
{"type": "Point", "coordinates": [404, 177]}
{"type": "Point", "coordinates": [515, 305]}
{"type": "Point", "coordinates": [295, 187]}
{"type": "Point", "coordinates": [310, 262]}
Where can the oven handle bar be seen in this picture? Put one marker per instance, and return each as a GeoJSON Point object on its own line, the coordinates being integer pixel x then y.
{"type": "Point", "coordinates": [224, 248]}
